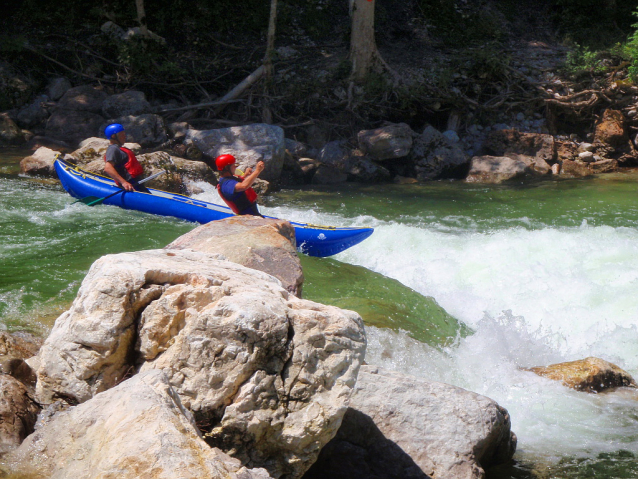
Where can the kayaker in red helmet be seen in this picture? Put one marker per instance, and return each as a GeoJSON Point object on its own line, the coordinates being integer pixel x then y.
{"type": "Point", "coordinates": [237, 191]}
{"type": "Point", "coordinates": [120, 163]}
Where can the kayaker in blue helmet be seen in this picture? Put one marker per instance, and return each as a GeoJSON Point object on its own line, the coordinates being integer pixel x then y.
{"type": "Point", "coordinates": [120, 163]}
{"type": "Point", "coordinates": [237, 191]}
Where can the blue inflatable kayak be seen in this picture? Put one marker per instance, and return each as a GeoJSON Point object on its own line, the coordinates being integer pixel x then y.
{"type": "Point", "coordinates": [312, 240]}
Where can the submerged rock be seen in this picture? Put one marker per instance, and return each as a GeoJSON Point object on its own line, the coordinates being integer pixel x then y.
{"type": "Point", "coordinates": [589, 374]}
{"type": "Point", "coordinates": [402, 427]}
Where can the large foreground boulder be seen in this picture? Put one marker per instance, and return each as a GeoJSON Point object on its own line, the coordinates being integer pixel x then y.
{"type": "Point", "coordinates": [400, 427]}
{"type": "Point", "coordinates": [248, 143]}
{"type": "Point", "coordinates": [269, 373]}
{"type": "Point", "coordinates": [263, 244]}
{"type": "Point", "coordinates": [137, 430]}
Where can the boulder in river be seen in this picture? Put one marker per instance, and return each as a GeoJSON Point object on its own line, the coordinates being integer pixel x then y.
{"type": "Point", "coordinates": [263, 244]}
{"type": "Point", "coordinates": [269, 373]}
{"type": "Point", "coordinates": [589, 374]}
{"type": "Point", "coordinates": [400, 427]}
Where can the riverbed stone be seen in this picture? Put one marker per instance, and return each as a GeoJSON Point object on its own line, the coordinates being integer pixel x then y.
{"type": "Point", "coordinates": [496, 169]}
{"type": "Point", "coordinates": [387, 142]}
{"type": "Point", "coordinates": [589, 374]}
{"type": "Point", "coordinates": [40, 163]}
{"type": "Point", "coordinates": [435, 156]}
{"type": "Point", "coordinates": [264, 244]}
{"type": "Point", "coordinates": [270, 373]}
{"type": "Point", "coordinates": [248, 143]}
{"type": "Point", "coordinates": [399, 427]}
{"type": "Point", "coordinates": [138, 429]}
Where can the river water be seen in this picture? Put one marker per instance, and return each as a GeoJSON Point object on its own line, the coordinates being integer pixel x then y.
{"type": "Point", "coordinates": [535, 273]}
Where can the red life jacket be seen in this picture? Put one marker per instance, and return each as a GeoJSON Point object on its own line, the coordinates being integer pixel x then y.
{"type": "Point", "coordinates": [132, 165]}
{"type": "Point", "coordinates": [243, 199]}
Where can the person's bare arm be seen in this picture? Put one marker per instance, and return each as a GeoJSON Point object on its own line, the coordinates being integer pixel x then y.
{"type": "Point", "coordinates": [250, 178]}
{"type": "Point", "coordinates": [110, 170]}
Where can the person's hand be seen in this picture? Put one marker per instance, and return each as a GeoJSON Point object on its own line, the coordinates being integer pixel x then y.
{"type": "Point", "coordinates": [127, 186]}
{"type": "Point", "coordinates": [248, 171]}
{"type": "Point", "coordinates": [260, 166]}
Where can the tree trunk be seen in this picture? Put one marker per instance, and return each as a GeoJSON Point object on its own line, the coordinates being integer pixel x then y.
{"type": "Point", "coordinates": [363, 48]}
{"type": "Point", "coordinates": [268, 68]}
{"type": "Point", "coordinates": [141, 17]}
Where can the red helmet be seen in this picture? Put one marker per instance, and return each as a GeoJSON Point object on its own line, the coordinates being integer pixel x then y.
{"type": "Point", "coordinates": [223, 161]}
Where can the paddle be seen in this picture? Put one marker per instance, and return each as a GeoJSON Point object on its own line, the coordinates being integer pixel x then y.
{"type": "Point", "coordinates": [94, 200]}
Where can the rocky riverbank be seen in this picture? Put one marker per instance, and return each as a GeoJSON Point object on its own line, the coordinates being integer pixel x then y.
{"type": "Point", "coordinates": [394, 152]}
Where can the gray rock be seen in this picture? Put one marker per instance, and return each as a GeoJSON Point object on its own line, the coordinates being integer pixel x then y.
{"type": "Point", "coordinates": [387, 142]}
{"type": "Point", "coordinates": [147, 130]}
{"type": "Point", "coordinates": [57, 87]}
{"type": "Point", "coordinates": [129, 103]}
{"type": "Point", "coordinates": [33, 114]}
{"type": "Point", "coordinates": [367, 171]}
{"type": "Point", "coordinates": [402, 427]}
{"type": "Point", "coordinates": [73, 126]}
{"type": "Point", "coordinates": [83, 98]}
{"type": "Point", "coordinates": [326, 174]}
{"type": "Point", "coordinates": [249, 144]}
{"type": "Point", "coordinates": [452, 136]}
{"type": "Point", "coordinates": [435, 156]}
{"type": "Point", "coordinates": [335, 153]}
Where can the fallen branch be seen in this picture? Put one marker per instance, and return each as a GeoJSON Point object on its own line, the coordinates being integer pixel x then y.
{"type": "Point", "coordinates": [241, 88]}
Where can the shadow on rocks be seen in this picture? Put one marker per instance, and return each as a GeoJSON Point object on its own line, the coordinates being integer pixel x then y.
{"type": "Point", "coordinates": [361, 451]}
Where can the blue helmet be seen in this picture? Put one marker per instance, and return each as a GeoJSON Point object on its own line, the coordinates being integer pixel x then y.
{"type": "Point", "coordinates": [112, 129]}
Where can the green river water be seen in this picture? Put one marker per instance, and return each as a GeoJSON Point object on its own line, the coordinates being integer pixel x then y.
{"type": "Point", "coordinates": [464, 284]}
